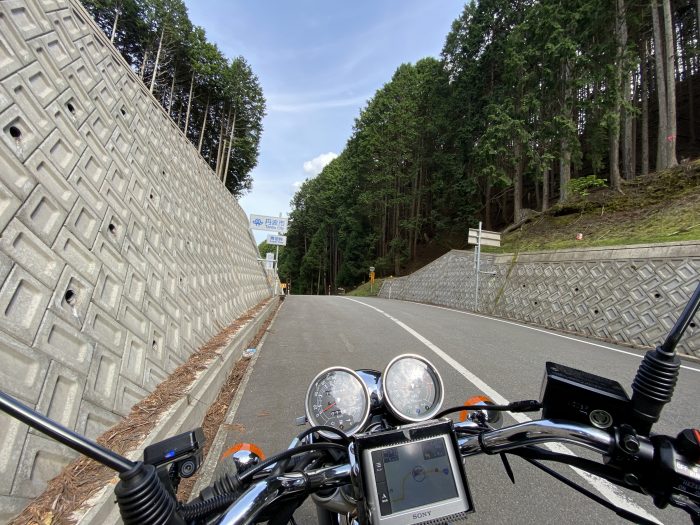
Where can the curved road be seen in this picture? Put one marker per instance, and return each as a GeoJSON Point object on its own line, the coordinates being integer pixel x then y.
{"type": "Point", "coordinates": [474, 354]}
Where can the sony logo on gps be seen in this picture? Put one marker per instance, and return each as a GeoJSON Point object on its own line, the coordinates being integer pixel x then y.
{"type": "Point", "coordinates": [425, 514]}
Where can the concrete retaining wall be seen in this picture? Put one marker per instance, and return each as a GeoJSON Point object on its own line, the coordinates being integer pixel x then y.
{"type": "Point", "coordinates": [630, 294]}
{"type": "Point", "coordinates": [120, 253]}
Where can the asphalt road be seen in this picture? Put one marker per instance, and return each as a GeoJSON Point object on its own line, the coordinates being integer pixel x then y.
{"type": "Point", "coordinates": [311, 333]}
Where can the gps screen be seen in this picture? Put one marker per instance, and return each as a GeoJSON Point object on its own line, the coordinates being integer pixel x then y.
{"type": "Point", "coordinates": [413, 474]}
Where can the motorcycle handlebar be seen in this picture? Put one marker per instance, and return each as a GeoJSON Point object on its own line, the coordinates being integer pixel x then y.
{"type": "Point", "coordinates": [262, 493]}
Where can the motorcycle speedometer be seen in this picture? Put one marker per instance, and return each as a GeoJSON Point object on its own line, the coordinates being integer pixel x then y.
{"type": "Point", "coordinates": [338, 397]}
{"type": "Point", "coordinates": [412, 388]}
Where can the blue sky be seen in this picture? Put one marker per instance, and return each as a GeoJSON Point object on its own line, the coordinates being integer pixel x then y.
{"type": "Point", "coordinates": [318, 63]}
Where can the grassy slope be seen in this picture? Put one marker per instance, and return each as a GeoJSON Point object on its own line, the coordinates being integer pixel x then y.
{"type": "Point", "coordinates": [663, 207]}
{"type": "Point", "coordinates": [364, 289]}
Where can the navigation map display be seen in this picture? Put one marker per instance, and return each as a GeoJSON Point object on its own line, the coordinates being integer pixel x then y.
{"type": "Point", "coordinates": [413, 474]}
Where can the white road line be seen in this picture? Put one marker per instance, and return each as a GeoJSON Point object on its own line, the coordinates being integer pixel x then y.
{"type": "Point", "coordinates": [607, 489]}
{"type": "Point", "coordinates": [548, 332]}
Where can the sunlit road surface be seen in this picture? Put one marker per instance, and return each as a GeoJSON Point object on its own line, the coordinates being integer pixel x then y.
{"type": "Point", "coordinates": [474, 355]}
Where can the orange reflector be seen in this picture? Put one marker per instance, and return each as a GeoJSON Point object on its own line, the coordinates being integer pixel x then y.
{"type": "Point", "coordinates": [244, 446]}
{"type": "Point", "coordinates": [473, 401]}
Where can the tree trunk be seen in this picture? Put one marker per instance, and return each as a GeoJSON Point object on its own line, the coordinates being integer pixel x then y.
{"type": "Point", "coordinates": [645, 108]}
{"type": "Point", "coordinates": [621, 37]}
{"type": "Point", "coordinates": [220, 149]}
{"type": "Point", "coordinates": [545, 190]}
{"type": "Point", "coordinates": [564, 170]}
{"type": "Point", "coordinates": [143, 65]}
{"type": "Point", "coordinates": [204, 126]}
{"type": "Point", "coordinates": [117, 12]}
{"type": "Point", "coordinates": [670, 54]}
{"type": "Point", "coordinates": [155, 67]}
{"type": "Point", "coordinates": [661, 150]}
{"type": "Point", "coordinates": [565, 148]}
{"type": "Point", "coordinates": [172, 91]}
{"type": "Point", "coordinates": [487, 204]}
{"type": "Point", "coordinates": [627, 147]}
{"type": "Point", "coordinates": [518, 181]}
{"type": "Point", "coordinates": [230, 147]}
{"type": "Point", "coordinates": [189, 104]}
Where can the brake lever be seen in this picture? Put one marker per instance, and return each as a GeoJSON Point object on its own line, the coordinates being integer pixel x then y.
{"type": "Point", "coordinates": [688, 506]}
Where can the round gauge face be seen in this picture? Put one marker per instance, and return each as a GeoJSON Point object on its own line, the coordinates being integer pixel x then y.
{"type": "Point", "coordinates": [337, 397]}
{"type": "Point", "coordinates": [412, 388]}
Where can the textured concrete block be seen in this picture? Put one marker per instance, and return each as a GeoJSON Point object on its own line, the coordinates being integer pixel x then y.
{"type": "Point", "coordinates": [52, 180]}
{"type": "Point", "coordinates": [105, 329]}
{"type": "Point", "coordinates": [153, 311]}
{"type": "Point", "coordinates": [154, 374]}
{"type": "Point", "coordinates": [134, 357]}
{"type": "Point", "coordinates": [39, 84]}
{"type": "Point", "coordinates": [19, 134]}
{"type": "Point", "coordinates": [64, 145]}
{"type": "Point", "coordinates": [64, 343]}
{"type": "Point", "coordinates": [135, 286]}
{"type": "Point", "coordinates": [87, 191]}
{"type": "Point", "coordinates": [94, 420]}
{"type": "Point", "coordinates": [128, 394]}
{"type": "Point", "coordinates": [28, 250]}
{"type": "Point", "coordinates": [70, 249]}
{"type": "Point", "coordinates": [61, 395]}
{"type": "Point", "coordinates": [10, 507]}
{"type": "Point", "coordinates": [23, 370]}
{"type": "Point", "coordinates": [156, 340]}
{"type": "Point", "coordinates": [83, 222]}
{"type": "Point", "coordinates": [23, 300]}
{"type": "Point", "coordinates": [42, 459]}
{"type": "Point", "coordinates": [132, 319]}
{"type": "Point", "coordinates": [134, 257]}
{"type": "Point", "coordinates": [101, 384]}
{"type": "Point", "coordinates": [108, 291]}
{"type": "Point", "coordinates": [12, 437]}
{"type": "Point", "coordinates": [43, 215]}
{"type": "Point", "coordinates": [110, 256]}
{"type": "Point", "coordinates": [14, 50]}
{"type": "Point", "coordinates": [9, 204]}
{"type": "Point", "coordinates": [71, 297]}
{"type": "Point", "coordinates": [113, 229]}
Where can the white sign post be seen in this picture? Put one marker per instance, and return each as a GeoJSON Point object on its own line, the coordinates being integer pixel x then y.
{"type": "Point", "coordinates": [486, 238]}
{"type": "Point", "coordinates": [269, 261]}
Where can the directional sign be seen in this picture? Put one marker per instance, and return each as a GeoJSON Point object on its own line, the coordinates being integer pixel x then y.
{"type": "Point", "coordinates": [269, 261]}
{"type": "Point", "coordinates": [268, 224]}
{"type": "Point", "coordinates": [277, 240]}
{"type": "Point", "coordinates": [487, 238]}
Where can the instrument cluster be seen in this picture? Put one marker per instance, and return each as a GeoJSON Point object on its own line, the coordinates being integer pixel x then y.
{"type": "Point", "coordinates": [410, 386]}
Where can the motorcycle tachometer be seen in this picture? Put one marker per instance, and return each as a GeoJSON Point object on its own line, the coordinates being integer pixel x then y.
{"type": "Point", "coordinates": [412, 388]}
{"type": "Point", "coordinates": [337, 397]}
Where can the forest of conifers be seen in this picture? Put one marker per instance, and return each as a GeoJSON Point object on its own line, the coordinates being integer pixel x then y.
{"type": "Point", "coordinates": [217, 103]}
{"type": "Point", "coordinates": [529, 100]}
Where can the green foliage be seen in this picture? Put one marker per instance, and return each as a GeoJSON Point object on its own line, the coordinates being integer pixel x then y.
{"type": "Point", "coordinates": [582, 185]}
{"type": "Point", "coordinates": [226, 94]}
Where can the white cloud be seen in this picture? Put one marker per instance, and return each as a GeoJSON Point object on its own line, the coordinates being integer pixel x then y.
{"type": "Point", "coordinates": [315, 166]}
{"type": "Point", "coordinates": [301, 107]}
{"type": "Point", "coordinates": [298, 184]}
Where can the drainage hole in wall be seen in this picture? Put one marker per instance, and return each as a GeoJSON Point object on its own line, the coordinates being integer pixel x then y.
{"type": "Point", "coordinates": [70, 107]}
{"type": "Point", "coordinates": [536, 302]}
{"type": "Point", "coordinates": [71, 297]}
{"type": "Point", "coordinates": [575, 289]}
{"type": "Point", "coordinates": [15, 132]}
{"type": "Point", "coordinates": [112, 229]}
{"type": "Point", "coordinates": [523, 286]}
{"type": "Point", "coordinates": [657, 295]}
{"type": "Point", "coordinates": [123, 111]}
{"type": "Point", "coordinates": [150, 196]}
{"type": "Point", "coordinates": [595, 311]}
{"type": "Point", "coordinates": [692, 325]}
{"type": "Point", "coordinates": [155, 345]}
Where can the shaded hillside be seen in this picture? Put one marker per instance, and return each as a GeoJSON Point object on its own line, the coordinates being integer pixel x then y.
{"type": "Point", "coordinates": [661, 207]}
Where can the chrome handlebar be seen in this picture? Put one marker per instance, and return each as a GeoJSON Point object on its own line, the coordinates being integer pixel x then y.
{"type": "Point", "coordinates": [532, 433]}
{"type": "Point", "coordinates": [261, 494]}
